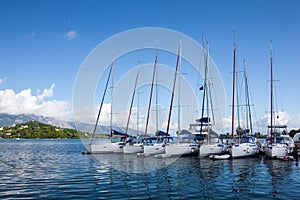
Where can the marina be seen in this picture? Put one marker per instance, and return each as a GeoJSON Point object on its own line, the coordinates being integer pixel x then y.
{"type": "Point", "coordinates": [200, 139]}
{"type": "Point", "coordinates": [149, 99]}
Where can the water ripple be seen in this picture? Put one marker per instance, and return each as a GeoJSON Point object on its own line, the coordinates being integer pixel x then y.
{"type": "Point", "coordinates": [56, 169]}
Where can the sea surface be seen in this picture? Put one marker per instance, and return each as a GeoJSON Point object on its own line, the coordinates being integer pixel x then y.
{"type": "Point", "coordinates": [56, 169]}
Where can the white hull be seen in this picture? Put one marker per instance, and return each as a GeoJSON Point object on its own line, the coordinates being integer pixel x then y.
{"type": "Point", "coordinates": [276, 150]}
{"type": "Point", "coordinates": [211, 149]}
{"type": "Point", "coordinates": [155, 149]}
{"type": "Point", "coordinates": [131, 149]}
{"type": "Point", "coordinates": [283, 146]}
{"type": "Point", "coordinates": [178, 149]}
{"type": "Point", "coordinates": [107, 147]}
{"type": "Point", "coordinates": [243, 150]}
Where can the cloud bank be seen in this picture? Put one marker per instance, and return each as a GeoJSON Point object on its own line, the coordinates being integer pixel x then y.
{"type": "Point", "coordinates": [41, 104]}
{"type": "Point", "coordinates": [261, 124]}
{"type": "Point", "coordinates": [89, 115]}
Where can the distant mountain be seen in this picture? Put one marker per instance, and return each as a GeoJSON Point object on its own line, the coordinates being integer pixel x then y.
{"type": "Point", "coordinates": [9, 120]}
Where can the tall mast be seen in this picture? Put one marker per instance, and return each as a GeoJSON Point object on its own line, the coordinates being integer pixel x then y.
{"type": "Point", "coordinates": [271, 87]}
{"type": "Point", "coordinates": [103, 97]}
{"type": "Point", "coordinates": [246, 95]}
{"type": "Point", "coordinates": [179, 70]}
{"type": "Point", "coordinates": [209, 90]}
{"type": "Point", "coordinates": [233, 87]}
{"type": "Point", "coordinates": [132, 99]}
{"type": "Point", "coordinates": [248, 106]}
{"type": "Point", "coordinates": [204, 87]}
{"type": "Point", "coordinates": [156, 99]}
{"type": "Point", "coordinates": [151, 91]}
{"type": "Point", "coordinates": [172, 97]}
{"type": "Point", "coordinates": [111, 101]}
{"type": "Point", "coordinates": [237, 98]}
{"type": "Point", "coordinates": [207, 98]}
{"type": "Point", "coordinates": [206, 83]}
{"type": "Point", "coordinates": [138, 105]}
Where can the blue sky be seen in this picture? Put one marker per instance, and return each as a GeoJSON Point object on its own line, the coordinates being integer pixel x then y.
{"type": "Point", "coordinates": [45, 42]}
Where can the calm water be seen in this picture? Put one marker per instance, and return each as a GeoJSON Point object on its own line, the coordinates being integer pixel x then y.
{"type": "Point", "coordinates": [56, 169]}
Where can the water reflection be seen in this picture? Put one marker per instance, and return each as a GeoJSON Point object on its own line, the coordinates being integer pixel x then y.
{"type": "Point", "coordinates": [279, 173]}
{"type": "Point", "coordinates": [179, 179]}
{"type": "Point", "coordinates": [245, 175]}
{"type": "Point", "coordinates": [201, 178]}
{"type": "Point", "coordinates": [53, 169]}
{"type": "Point", "coordinates": [131, 163]}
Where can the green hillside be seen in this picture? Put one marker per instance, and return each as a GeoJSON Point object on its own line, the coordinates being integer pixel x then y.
{"type": "Point", "coordinates": [35, 129]}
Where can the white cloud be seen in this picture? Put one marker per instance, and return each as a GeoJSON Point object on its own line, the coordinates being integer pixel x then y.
{"type": "Point", "coordinates": [46, 92]}
{"type": "Point", "coordinates": [70, 35]}
{"type": "Point", "coordinates": [261, 124]}
{"type": "Point", "coordinates": [89, 115]}
{"type": "Point", "coordinates": [282, 118]}
{"type": "Point", "coordinates": [25, 102]}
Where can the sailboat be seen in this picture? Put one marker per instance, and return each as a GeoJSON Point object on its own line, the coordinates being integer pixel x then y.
{"type": "Point", "coordinates": [153, 145]}
{"type": "Point", "coordinates": [242, 145]}
{"type": "Point", "coordinates": [107, 146]}
{"type": "Point", "coordinates": [132, 146]}
{"type": "Point", "coordinates": [186, 143]}
{"type": "Point", "coordinates": [279, 143]}
{"type": "Point", "coordinates": [212, 144]}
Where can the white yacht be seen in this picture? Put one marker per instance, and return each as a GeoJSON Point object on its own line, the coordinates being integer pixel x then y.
{"type": "Point", "coordinates": [133, 146]}
{"type": "Point", "coordinates": [212, 145]}
{"type": "Point", "coordinates": [110, 145]}
{"type": "Point", "coordinates": [113, 145]}
{"type": "Point", "coordinates": [186, 145]}
{"type": "Point", "coordinates": [243, 146]}
{"type": "Point", "coordinates": [157, 146]}
{"type": "Point", "coordinates": [107, 147]}
{"type": "Point", "coordinates": [280, 144]}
